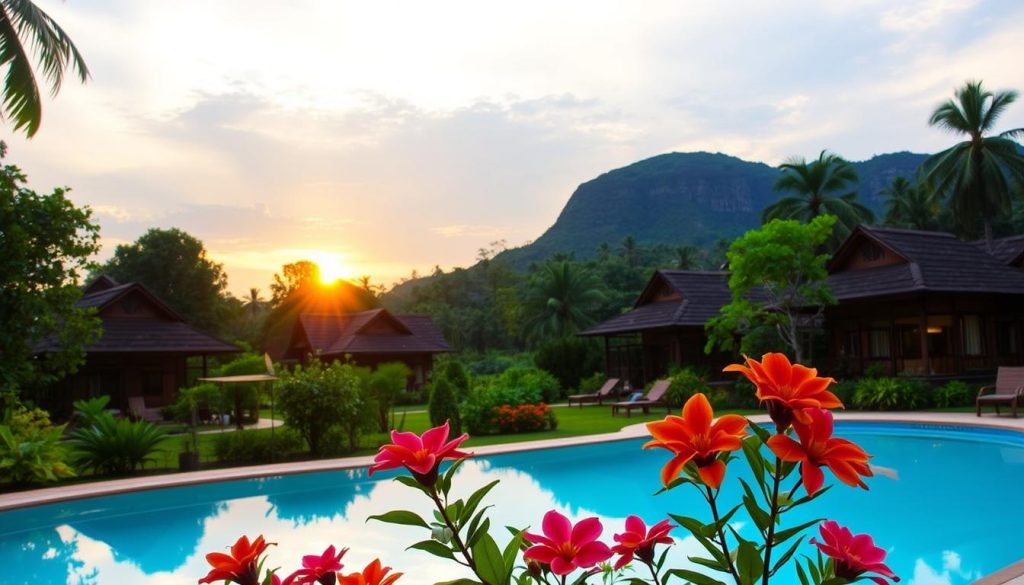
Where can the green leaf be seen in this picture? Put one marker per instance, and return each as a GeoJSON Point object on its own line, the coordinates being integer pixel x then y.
{"type": "Point", "coordinates": [760, 431]}
{"type": "Point", "coordinates": [748, 563]}
{"type": "Point", "coordinates": [692, 524]}
{"type": "Point", "coordinates": [446, 479]}
{"type": "Point", "coordinates": [785, 556]}
{"type": "Point", "coordinates": [801, 574]}
{"type": "Point", "coordinates": [694, 577]}
{"type": "Point", "coordinates": [474, 501]}
{"type": "Point", "coordinates": [404, 517]}
{"type": "Point", "coordinates": [435, 548]}
{"type": "Point", "coordinates": [512, 550]}
{"type": "Point", "coordinates": [784, 535]}
{"type": "Point", "coordinates": [709, 563]}
{"type": "Point", "coordinates": [410, 482]}
{"type": "Point", "coordinates": [752, 451]}
{"type": "Point", "coordinates": [490, 564]}
{"type": "Point", "coordinates": [471, 539]}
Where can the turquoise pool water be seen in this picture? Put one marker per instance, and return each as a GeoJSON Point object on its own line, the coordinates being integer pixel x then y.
{"type": "Point", "coordinates": [951, 516]}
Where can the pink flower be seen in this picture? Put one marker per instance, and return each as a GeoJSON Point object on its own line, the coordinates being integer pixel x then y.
{"type": "Point", "coordinates": [853, 555]}
{"type": "Point", "coordinates": [639, 541]}
{"type": "Point", "coordinates": [566, 547]}
{"type": "Point", "coordinates": [321, 568]}
{"type": "Point", "coordinates": [420, 455]}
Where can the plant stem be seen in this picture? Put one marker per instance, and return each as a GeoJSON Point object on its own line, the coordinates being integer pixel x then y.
{"type": "Point", "coordinates": [455, 532]}
{"type": "Point", "coordinates": [712, 497]}
{"type": "Point", "coordinates": [773, 514]}
{"type": "Point", "coordinates": [654, 573]}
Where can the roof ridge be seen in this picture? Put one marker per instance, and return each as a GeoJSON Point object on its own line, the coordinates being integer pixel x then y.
{"type": "Point", "coordinates": [933, 233]}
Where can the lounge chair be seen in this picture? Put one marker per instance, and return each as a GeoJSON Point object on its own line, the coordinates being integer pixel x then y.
{"type": "Point", "coordinates": [137, 409]}
{"type": "Point", "coordinates": [654, 397]}
{"type": "Point", "coordinates": [1008, 389]}
{"type": "Point", "coordinates": [602, 393]}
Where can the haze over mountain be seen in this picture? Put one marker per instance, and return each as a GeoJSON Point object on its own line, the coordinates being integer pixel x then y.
{"type": "Point", "coordinates": [684, 198]}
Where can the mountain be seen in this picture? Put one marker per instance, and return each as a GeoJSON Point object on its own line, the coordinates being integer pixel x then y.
{"type": "Point", "coordinates": [683, 198]}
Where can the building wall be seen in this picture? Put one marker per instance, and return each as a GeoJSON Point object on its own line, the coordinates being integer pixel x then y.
{"type": "Point", "coordinates": [155, 377]}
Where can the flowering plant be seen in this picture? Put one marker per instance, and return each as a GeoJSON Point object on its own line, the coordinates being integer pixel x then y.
{"type": "Point", "coordinates": [702, 450]}
{"type": "Point", "coordinates": [522, 418]}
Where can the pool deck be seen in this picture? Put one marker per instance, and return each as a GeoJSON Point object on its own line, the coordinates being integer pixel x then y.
{"type": "Point", "coordinates": [1012, 575]}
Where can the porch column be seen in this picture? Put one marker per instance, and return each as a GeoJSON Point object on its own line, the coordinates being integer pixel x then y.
{"type": "Point", "coordinates": [924, 339]}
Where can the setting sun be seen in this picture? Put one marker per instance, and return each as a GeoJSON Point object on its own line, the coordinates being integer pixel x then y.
{"type": "Point", "coordinates": [332, 266]}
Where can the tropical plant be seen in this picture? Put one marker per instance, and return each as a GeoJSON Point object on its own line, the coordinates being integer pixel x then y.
{"type": "Point", "coordinates": [820, 187]}
{"type": "Point", "coordinates": [569, 359]}
{"type": "Point", "coordinates": [242, 447]}
{"type": "Point", "coordinates": [978, 175]}
{"type": "Point", "coordinates": [890, 394]}
{"type": "Point", "coordinates": [114, 446]}
{"type": "Point", "coordinates": [444, 405]}
{"type": "Point", "coordinates": [561, 300]}
{"type": "Point", "coordinates": [31, 450]}
{"type": "Point", "coordinates": [383, 386]}
{"type": "Point", "coordinates": [687, 257]}
{"type": "Point", "coordinates": [910, 206]}
{"type": "Point", "coordinates": [455, 372]}
{"type": "Point", "coordinates": [683, 385]}
{"type": "Point", "coordinates": [316, 397]}
{"type": "Point", "coordinates": [22, 21]}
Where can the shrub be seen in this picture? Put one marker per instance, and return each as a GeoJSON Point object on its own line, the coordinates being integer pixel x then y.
{"type": "Point", "coordinates": [875, 370]}
{"type": "Point", "coordinates": [384, 385]}
{"type": "Point", "coordinates": [444, 405]}
{"type": "Point", "coordinates": [684, 384]}
{"type": "Point", "coordinates": [31, 449]}
{"type": "Point", "coordinates": [476, 411]}
{"type": "Point", "coordinates": [592, 383]}
{"type": "Point", "coordinates": [110, 446]}
{"type": "Point", "coordinates": [890, 394]}
{"type": "Point", "coordinates": [955, 393]}
{"type": "Point", "coordinates": [532, 380]}
{"type": "Point", "coordinates": [316, 397]}
{"type": "Point", "coordinates": [254, 446]}
{"type": "Point", "coordinates": [457, 376]}
{"type": "Point", "coordinates": [569, 359]}
{"type": "Point", "coordinates": [523, 418]}
{"type": "Point", "coordinates": [844, 391]}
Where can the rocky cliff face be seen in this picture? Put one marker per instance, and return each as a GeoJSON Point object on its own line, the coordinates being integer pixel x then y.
{"type": "Point", "coordinates": [683, 198]}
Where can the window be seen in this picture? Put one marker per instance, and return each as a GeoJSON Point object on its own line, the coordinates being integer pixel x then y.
{"type": "Point", "coordinates": [910, 341]}
{"type": "Point", "coordinates": [1007, 338]}
{"type": "Point", "coordinates": [971, 327]}
{"type": "Point", "coordinates": [878, 340]}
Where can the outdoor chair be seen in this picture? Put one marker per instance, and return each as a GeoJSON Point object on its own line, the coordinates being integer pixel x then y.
{"type": "Point", "coordinates": [1008, 389]}
{"type": "Point", "coordinates": [654, 397]}
{"type": "Point", "coordinates": [602, 393]}
{"type": "Point", "coordinates": [138, 410]}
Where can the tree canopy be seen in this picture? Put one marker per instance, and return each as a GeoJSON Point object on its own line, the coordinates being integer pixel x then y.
{"type": "Point", "coordinates": [46, 242]}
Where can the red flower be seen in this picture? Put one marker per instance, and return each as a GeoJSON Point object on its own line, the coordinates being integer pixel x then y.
{"type": "Point", "coordinates": [241, 566]}
{"type": "Point", "coordinates": [853, 555]}
{"type": "Point", "coordinates": [566, 547]}
{"type": "Point", "coordinates": [787, 387]}
{"type": "Point", "coordinates": [318, 568]}
{"type": "Point", "coordinates": [373, 574]}
{"type": "Point", "coordinates": [817, 448]}
{"type": "Point", "coordinates": [693, 437]}
{"type": "Point", "coordinates": [640, 541]}
{"type": "Point", "coordinates": [420, 455]}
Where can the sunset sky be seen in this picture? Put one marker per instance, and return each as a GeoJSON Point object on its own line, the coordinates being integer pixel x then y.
{"type": "Point", "coordinates": [396, 135]}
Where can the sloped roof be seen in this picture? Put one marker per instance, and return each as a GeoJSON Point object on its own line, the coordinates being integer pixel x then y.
{"type": "Point", "coordinates": [1007, 250]}
{"type": "Point", "coordinates": [340, 334]}
{"type": "Point", "coordinates": [935, 261]}
{"type": "Point", "coordinates": [703, 295]}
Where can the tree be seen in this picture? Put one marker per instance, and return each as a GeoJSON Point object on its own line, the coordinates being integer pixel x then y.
{"type": "Point", "coordinates": [55, 53]}
{"type": "Point", "coordinates": [687, 257]}
{"type": "Point", "coordinates": [819, 187]}
{"type": "Point", "coordinates": [46, 243]}
{"type": "Point", "coordinates": [293, 277]}
{"type": "Point", "coordinates": [561, 300]}
{"type": "Point", "coordinates": [909, 205]}
{"type": "Point", "coordinates": [780, 263]}
{"type": "Point", "coordinates": [316, 398]}
{"type": "Point", "coordinates": [254, 303]}
{"type": "Point", "coordinates": [978, 174]}
{"type": "Point", "coordinates": [173, 265]}
{"type": "Point", "coordinates": [629, 251]}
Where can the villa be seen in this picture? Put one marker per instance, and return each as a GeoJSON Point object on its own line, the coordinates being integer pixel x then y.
{"type": "Point", "coordinates": [915, 302]}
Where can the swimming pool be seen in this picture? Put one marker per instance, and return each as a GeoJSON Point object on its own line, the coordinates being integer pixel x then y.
{"type": "Point", "coordinates": [950, 518]}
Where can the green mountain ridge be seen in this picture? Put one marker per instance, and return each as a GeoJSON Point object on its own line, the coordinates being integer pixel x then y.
{"type": "Point", "coordinates": [683, 198]}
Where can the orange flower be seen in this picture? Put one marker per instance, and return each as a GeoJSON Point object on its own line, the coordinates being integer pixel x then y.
{"type": "Point", "coordinates": [693, 437]}
{"type": "Point", "coordinates": [373, 574]}
{"type": "Point", "coordinates": [241, 566]}
{"type": "Point", "coordinates": [817, 448]}
{"type": "Point", "coordinates": [786, 387]}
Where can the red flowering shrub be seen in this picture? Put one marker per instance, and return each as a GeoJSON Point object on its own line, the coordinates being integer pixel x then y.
{"type": "Point", "coordinates": [524, 418]}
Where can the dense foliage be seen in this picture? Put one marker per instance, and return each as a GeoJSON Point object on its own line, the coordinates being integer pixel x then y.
{"type": "Point", "coordinates": [891, 394]}
{"type": "Point", "coordinates": [318, 397]}
{"type": "Point", "coordinates": [444, 404]}
{"type": "Point", "coordinates": [383, 386]}
{"type": "Point", "coordinates": [31, 450]}
{"type": "Point", "coordinates": [251, 447]}
{"type": "Point", "coordinates": [570, 359]}
{"type": "Point", "coordinates": [108, 445]}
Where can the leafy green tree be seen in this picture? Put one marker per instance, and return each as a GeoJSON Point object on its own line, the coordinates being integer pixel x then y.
{"type": "Point", "coordinates": [630, 251]}
{"type": "Point", "coordinates": [301, 274]}
{"type": "Point", "coordinates": [561, 300]}
{"type": "Point", "coordinates": [781, 267]}
{"type": "Point", "coordinates": [976, 175]}
{"type": "Point", "coordinates": [910, 206]}
{"type": "Point", "coordinates": [383, 386]}
{"type": "Point", "coordinates": [316, 398]}
{"type": "Point", "coordinates": [22, 20]}
{"type": "Point", "coordinates": [819, 187]}
{"type": "Point", "coordinates": [569, 359]}
{"type": "Point", "coordinates": [173, 265]}
{"type": "Point", "coordinates": [444, 405]}
{"type": "Point", "coordinates": [46, 243]}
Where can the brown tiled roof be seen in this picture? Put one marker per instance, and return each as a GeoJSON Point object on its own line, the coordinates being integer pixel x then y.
{"type": "Point", "coordinates": [936, 261]}
{"type": "Point", "coordinates": [1006, 250]}
{"type": "Point", "coordinates": [342, 334]}
{"type": "Point", "coordinates": [704, 294]}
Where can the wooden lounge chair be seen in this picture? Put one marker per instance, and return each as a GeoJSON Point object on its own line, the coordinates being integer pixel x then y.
{"type": "Point", "coordinates": [138, 410]}
{"type": "Point", "coordinates": [602, 393]}
{"type": "Point", "coordinates": [654, 397]}
{"type": "Point", "coordinates": [1008, 389]}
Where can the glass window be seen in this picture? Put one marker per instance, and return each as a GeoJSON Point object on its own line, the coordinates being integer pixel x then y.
{"type": "Point", "coordinates": [971, 327]}
{"type": "Point", "coordinates": [878, 340]}
{"type": "Point", "coordinates": [910, 341]}
{"type": "Point", "coordinates": [1007, 337]}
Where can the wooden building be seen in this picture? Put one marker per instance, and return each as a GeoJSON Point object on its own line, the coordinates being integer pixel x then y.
{"type": "Point", "coordinates": [370, 338]}
{"type": "Point", "coordinates": [910, 302]}
{"type": "Point", "coordinates": [142, 352]}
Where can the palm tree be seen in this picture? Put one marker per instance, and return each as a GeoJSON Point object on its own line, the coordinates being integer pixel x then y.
{"type": "Point", "coordinates": [686, 257]}
{"type": "Point", "coordinates": [22, 21]}
{"type": "Point", "coordinates": [629, 251]}
{"type": "Point", "coordinates": [817, 189]}
{"type": "Point", "coordinates": [254, 304]}
{"type": "Point", "coordinates": [977, 174]}
{"type": "Point", "coordinates": [909, 205]}
{"type": "Point", "coordinates": [561, 299]}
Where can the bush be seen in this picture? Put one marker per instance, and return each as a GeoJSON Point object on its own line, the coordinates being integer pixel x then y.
{"type": "Point", "coordinates": [952, 394]}
{"type": "Point", "coordinates": [532, 380]}
{"type": "Point", "coordinates": [684, 384]}
{"type": "Point", "coordinates": [385, 384]}
{"type": "Point", "coordinates": [844, 391]}
{"type": "Point", "coordinates": [255, 447]}
{"type": "Point", "coordinates": [444, 405]}
{"type": "Point", "coordinates": [31, 449]}
{"type": "Point", "coordinates": [875, 370]}
{"type": "Point", "coordinates": [457, 376]}
{"type": "Point", "coordinates": [890, 394]}
{"type": "Point", "coordinates": [113, 446]}
{"type": "Point", "coordinates": [523, 418]}
{"type": "Point", "coordinates": [476, 412]}
{"type": "Point", "coordinates": [316, 398]}
{"type": "Point", "coordinates": [592, 383]}
{"type": "Point", "coordinates": [569, 360]}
